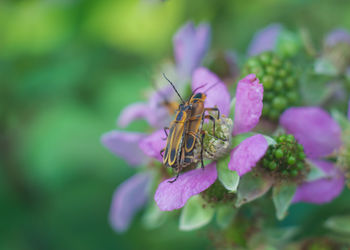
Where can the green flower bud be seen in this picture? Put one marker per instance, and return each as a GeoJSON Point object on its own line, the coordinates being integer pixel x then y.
{"type": "Point", "coordinates": [279, 153]}
{"type": "Point", "coordinates": [278, 78]}
{"type": "Point", "coordinates": [286, 159]}
{"type": "Point", "coordinates": [291, 160]}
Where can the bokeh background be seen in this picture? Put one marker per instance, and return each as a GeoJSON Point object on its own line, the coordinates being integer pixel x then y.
{"type": "Point", "coordinates": [67, 68]}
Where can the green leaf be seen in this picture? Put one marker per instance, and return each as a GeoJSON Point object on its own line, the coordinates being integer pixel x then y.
{"type": "Point", "coordinates": [224, 215]}
{"type": "Point", "coordinates": [315, 173]}
{"type": "Point", "coordinates": [325, 67]}
{"type": "Point", "coordinates": [339, 224]}
{"type": "Point", "coordinates": [232, 108]}
{"type": "Point", "coordinates": [270, 140]}
{"type": "Point", "coordinates": [282, 197]}
{"type": "Point", "coordinates": [153, 217]}
{"type": "Point", "coordinates": [252, 187]}
{"type": "Point", "coordinates": [341, 119]}
{"type": "Point", "coordinates": [228, 178]}
{"type": "Point", "coordinates": [194, 215]}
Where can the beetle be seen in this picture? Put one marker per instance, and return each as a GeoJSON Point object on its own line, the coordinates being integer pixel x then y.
{"type": "Point", "coordinates": [194, 128]}
{"type": "Point", "coordinates": [185, 130]}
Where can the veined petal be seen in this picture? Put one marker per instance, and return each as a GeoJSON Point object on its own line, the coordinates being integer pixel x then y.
{"type": "Point", "coordinates": [337, 36]}
{"type": "Point", "coordinates": [245, 156]}
{"type": "Point", "coordinates": [249, 104]}
{"type": "Point", "coordinates": [265, 39]}
{"type": "Point", "coordinates": [126, 146]}
{"type": "Point", "coordinates": [216, 91]}
{"type": "Point", "coordinates": [153, 144]}
{"type": "Point", "coordinates": [128, 199]}
{"type": "Point", "coordinates": [190, 46]}
{"type": "Point", "coordinates": [170, 196]}
{"type": "Point", "coordinates": [322, 190]}
{"type": "Point", "coordinates": [314, 128]}
{"type": "Point", "coordinates": [159, 115]}
{"type": "Point", "coordinates": [132, 112]}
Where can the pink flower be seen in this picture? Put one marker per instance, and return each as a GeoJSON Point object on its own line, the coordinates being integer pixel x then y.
{"type": "Point", "coordinates": [190, 46]}
{"type": "Point", "coordinates": [126, 145]}
{"type": "Point", "coordinates": [171, 196]}
{"type": "Point", "coordinates": [128, 199]}
{"type": "Point", "coordinates": [337, 36]}
{"type": "Point", "coordinates": [320, 135]}
{"type": "Point", "coordinates": [265, 39]}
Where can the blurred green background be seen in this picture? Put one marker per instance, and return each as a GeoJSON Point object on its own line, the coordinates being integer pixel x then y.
{"type": "Point", "coordinates": [67, 68]}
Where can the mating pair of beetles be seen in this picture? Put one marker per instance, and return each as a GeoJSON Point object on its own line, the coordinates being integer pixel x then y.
{"type": "Point", "coordinates": [185, 130]}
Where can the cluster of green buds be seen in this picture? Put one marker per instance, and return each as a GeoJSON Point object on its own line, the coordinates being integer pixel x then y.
{"type": "Point", "coordinates": [285, 159]}
{"type": "Point", "coordinates": [280, 83]}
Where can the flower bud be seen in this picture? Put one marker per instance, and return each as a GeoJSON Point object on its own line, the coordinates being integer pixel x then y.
{"type": "Point", "coordinates": [279, 80]}
{"type": "Point", "coordinates": [286, 159]}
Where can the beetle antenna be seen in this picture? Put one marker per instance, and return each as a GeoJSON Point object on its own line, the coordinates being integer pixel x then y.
{"type": "Point", "coordinates": [174, 88]}
{"type": "Point", "coordinates": [203, 85]}
{"type": "Point", "coordinates": [159, 92]}
{"type": "Point", "coordinates": [212, 86]}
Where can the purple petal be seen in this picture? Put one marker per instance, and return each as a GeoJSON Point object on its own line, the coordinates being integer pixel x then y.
{"type": "Point", "coordinates": [322, 190]}
{"type": "Point", "coordinates": [314, 128]}
{"type": "Point", "coordinates": [265, 39]}
{"type": "Point", "coordinates": [337, 36]}
{"type": "Point", "coordinates": [190, 46]}
{"type": "Point", "coordinates": [153, 144]}
{"type": "Point", "coordinates": [213, 87]}
{"type": "Point", "coordinates": [245, 156]}
{"type": "Point", "coordinates": [159, 116]}
{"type": "Point", "coordinates": [128, 199]}
{"type": "Point", "coordinates": [126, 146]}
{"type": "Point", "coordinates": [170, 196]}
{"type": "Point", "coordinates": [132, 112]}
{"type": "Point", "coordinates": [249, 97]}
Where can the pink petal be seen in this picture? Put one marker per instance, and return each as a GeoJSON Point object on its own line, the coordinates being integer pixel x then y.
{"type": "Point", "coordinates": [190, 46]}
{"type": "Point", "coordinates": [314, 128]}
{"type": "Point", "coordinates": [245, 156]}
{"type": "Point", "coordinates": [170, 196]}
{"type": "Point", "coordinates": [159, 115]}
{"type": "Point", "coordinates": [213, 87]}
{"type": "Point", "coordinates": [249, 97]}
{"type": "Point", "coordinates": [337, 36]}
{"type": "Point", "coordinates": [322, 190]}
{"type": "Point", "coordinates": [126, 146]}
{"type": "Point", "coordinates": [153, 144]}
{"type": "Point", "coordinates": [128, 199]}
{"type": "Point", "coordinates": [265, 39]}
{"type": "Point", "coordinates": [133, 112]}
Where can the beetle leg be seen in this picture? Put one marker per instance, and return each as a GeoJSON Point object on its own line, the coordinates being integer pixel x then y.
{"type": "Point", "coordinates": [162, 152]}
{"type": "Point", "coordinates": [177, 176]}
{"type": "Point", "coordinates": [213, 109]}
{"type": "Point", "coordinates": [202, 148]}
{"type": "Point", "coordinates": [165, 131]}
{"type": "Point", "coordinates": [214, 122]}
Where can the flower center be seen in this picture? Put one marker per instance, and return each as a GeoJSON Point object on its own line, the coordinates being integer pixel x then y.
{"type": "Point", "coordinates": [217, 145]}
{"type": "Point", "coordinates": [280, 84]}
{"type": "Point", "coordinates": [286, 159]}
